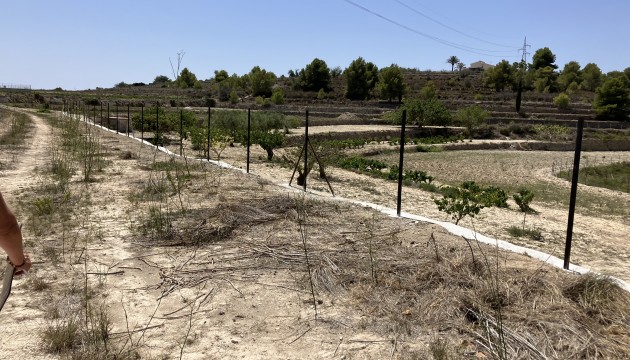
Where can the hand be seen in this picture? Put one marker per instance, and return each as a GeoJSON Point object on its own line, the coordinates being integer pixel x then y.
{"type": "Point", "coordinates": [23, 268]}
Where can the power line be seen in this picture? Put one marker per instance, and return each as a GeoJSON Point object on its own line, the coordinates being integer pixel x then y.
{"type": "Point", "coordinates": [452, 28]}
{"type": "Point", "coordinates": [449, 19]}
{"type": "Point", "coordinates": [434, 38]}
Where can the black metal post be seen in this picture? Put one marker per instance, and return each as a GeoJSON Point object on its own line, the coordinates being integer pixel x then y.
{"type": "Point", "coordinates": [108, 115]}
{"type": "Point", "coordinates": [401, 161]}
{"type": "Point", "coordinates": [142, 122]}
{"type": "Point", "coordinates": [101, 104]}
{"type": "Point", "coordinates": [249, 129]}
{"type": "Point", "coordinates": [128, 119]}
{"type": "Point", "coordinates": [181, 132]}
{"type": "Point", "coordinates": [157, 125]}
{"type": "Point", "coordinates": [305, 150]}
{"type": "Point", "coordinates": [574, 185]}
{"type": "Point", "coordinates": [208, 145]}
{"type": "Point", "coordinates": [117, 119]}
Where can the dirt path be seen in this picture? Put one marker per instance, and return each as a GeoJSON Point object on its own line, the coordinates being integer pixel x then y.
{"type": "Point", "coordinates": [20, 316]}
{"type": "Point", "coordinates": [104, 217]}
{"type": "Point", "coordinates": [22, 172]}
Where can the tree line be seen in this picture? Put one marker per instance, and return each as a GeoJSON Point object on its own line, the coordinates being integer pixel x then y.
{"type": "Point", "coordinates": [364, 81]}
{"type": "Point", "coordinates": [612, 90]}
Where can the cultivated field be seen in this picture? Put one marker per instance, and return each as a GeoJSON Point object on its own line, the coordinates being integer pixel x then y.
{"type": "Point", "coordinates": [139, 254]}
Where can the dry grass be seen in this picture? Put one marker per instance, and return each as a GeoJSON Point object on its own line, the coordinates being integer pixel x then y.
{"type": "Point", "coordinates": [404, 284]}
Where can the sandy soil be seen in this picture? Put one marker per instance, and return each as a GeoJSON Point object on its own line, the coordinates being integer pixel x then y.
{"type": "Point", "coordinates": [241, 311]}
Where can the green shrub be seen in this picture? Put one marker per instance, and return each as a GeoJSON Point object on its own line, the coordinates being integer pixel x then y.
{"type": "Point", "coordinates": [562, 101]}
{"type": "Point", "coordinates": [234, 99]}
{"type": "Point", "coordinates": [519, 232]}
{"type": "Point", "coordinates": [523, 198]}
{"type": "Point", "coordinates": [469, 198]}
{"type": "Point", "coordinates": [471, 117]}
{"type": "Point", "coordinates": [198, 137]}
{"type": "Point", "coordinates": [460, 202]}
{"type": "Point", "coordinates": [428, 91]}
{"type": "Point", "coordinates": [268, 140]}
{"type": "Point", "coordinates": [520, 129]}
{"type": "Point", "coordinates": [168, 121]}
{"type": "Point", "coordinates": [423, 112]}
{"type": "Point", "coordinates": [494, 196]}
{"type": "Point", "coordinates": [277, 97]}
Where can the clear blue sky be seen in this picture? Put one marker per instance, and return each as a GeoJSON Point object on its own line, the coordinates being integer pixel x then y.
{"type": "Point", "coordinates": [86, 44]}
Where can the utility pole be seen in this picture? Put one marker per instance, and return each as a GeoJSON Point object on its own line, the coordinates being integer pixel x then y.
{"type": "Point", "coordinates": [519, 93]}
{"type": "Point", "coordinates": [524, 50]}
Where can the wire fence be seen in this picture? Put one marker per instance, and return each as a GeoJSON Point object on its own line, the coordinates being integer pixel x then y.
{"type": "Point", "coordinates": [15, 86]}
{"type": "Point", "coordinates": [589, 160]}
{"type": "Point", "coordinates": [205, 133]}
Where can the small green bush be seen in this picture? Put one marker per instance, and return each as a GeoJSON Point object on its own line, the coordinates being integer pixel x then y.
{"type": "Point", "coordinates": [494, 196]}
{"type": "Point", "coordinates": [562, 101]}
{"type": "Point", "coordinates": [523, 198]}
{"type": "Point", "coordinates": [469, 198]}
{"type": "Point", "coordinates": [277, 98]}
{"type": "Point", "coordinates": [234, 99]}
{"type": "Point", "coordinates": [519, 232]}
{"type": "Point", "coordinates": [461, 201]}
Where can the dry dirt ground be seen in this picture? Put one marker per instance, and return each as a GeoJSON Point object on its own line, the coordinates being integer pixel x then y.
{"type": "Point", "coordinates": [229, 278]}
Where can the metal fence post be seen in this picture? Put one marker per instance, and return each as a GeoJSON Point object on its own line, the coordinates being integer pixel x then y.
{"type": "Point", "coordinates": [117, 119]}
{"type": "Point", "coordinates": [306, 150]}
{"type": "Point", "coordinates": [249, 128]}
{"type": "Point", "coordinates": [142, 124]}
{"type": "Point", "coordinates": [401, 162]}
{"type": "Point", "coordinates": [157, 125]}
{"type": "Point", "coordinates": [128, 120]}
{"type": "Point", "coordinates": [574, 185]}
{"type": "Point", "coordinates": [181, 132]}
{"type": "Point", "coordinates": [208, 144]}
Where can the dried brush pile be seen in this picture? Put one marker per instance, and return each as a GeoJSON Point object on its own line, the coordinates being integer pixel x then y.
{"type": "Point", "coordinates": [408, 280]}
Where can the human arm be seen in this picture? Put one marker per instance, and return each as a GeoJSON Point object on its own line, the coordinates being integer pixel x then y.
{"type": "Point", "coordinates": [11, 238]}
